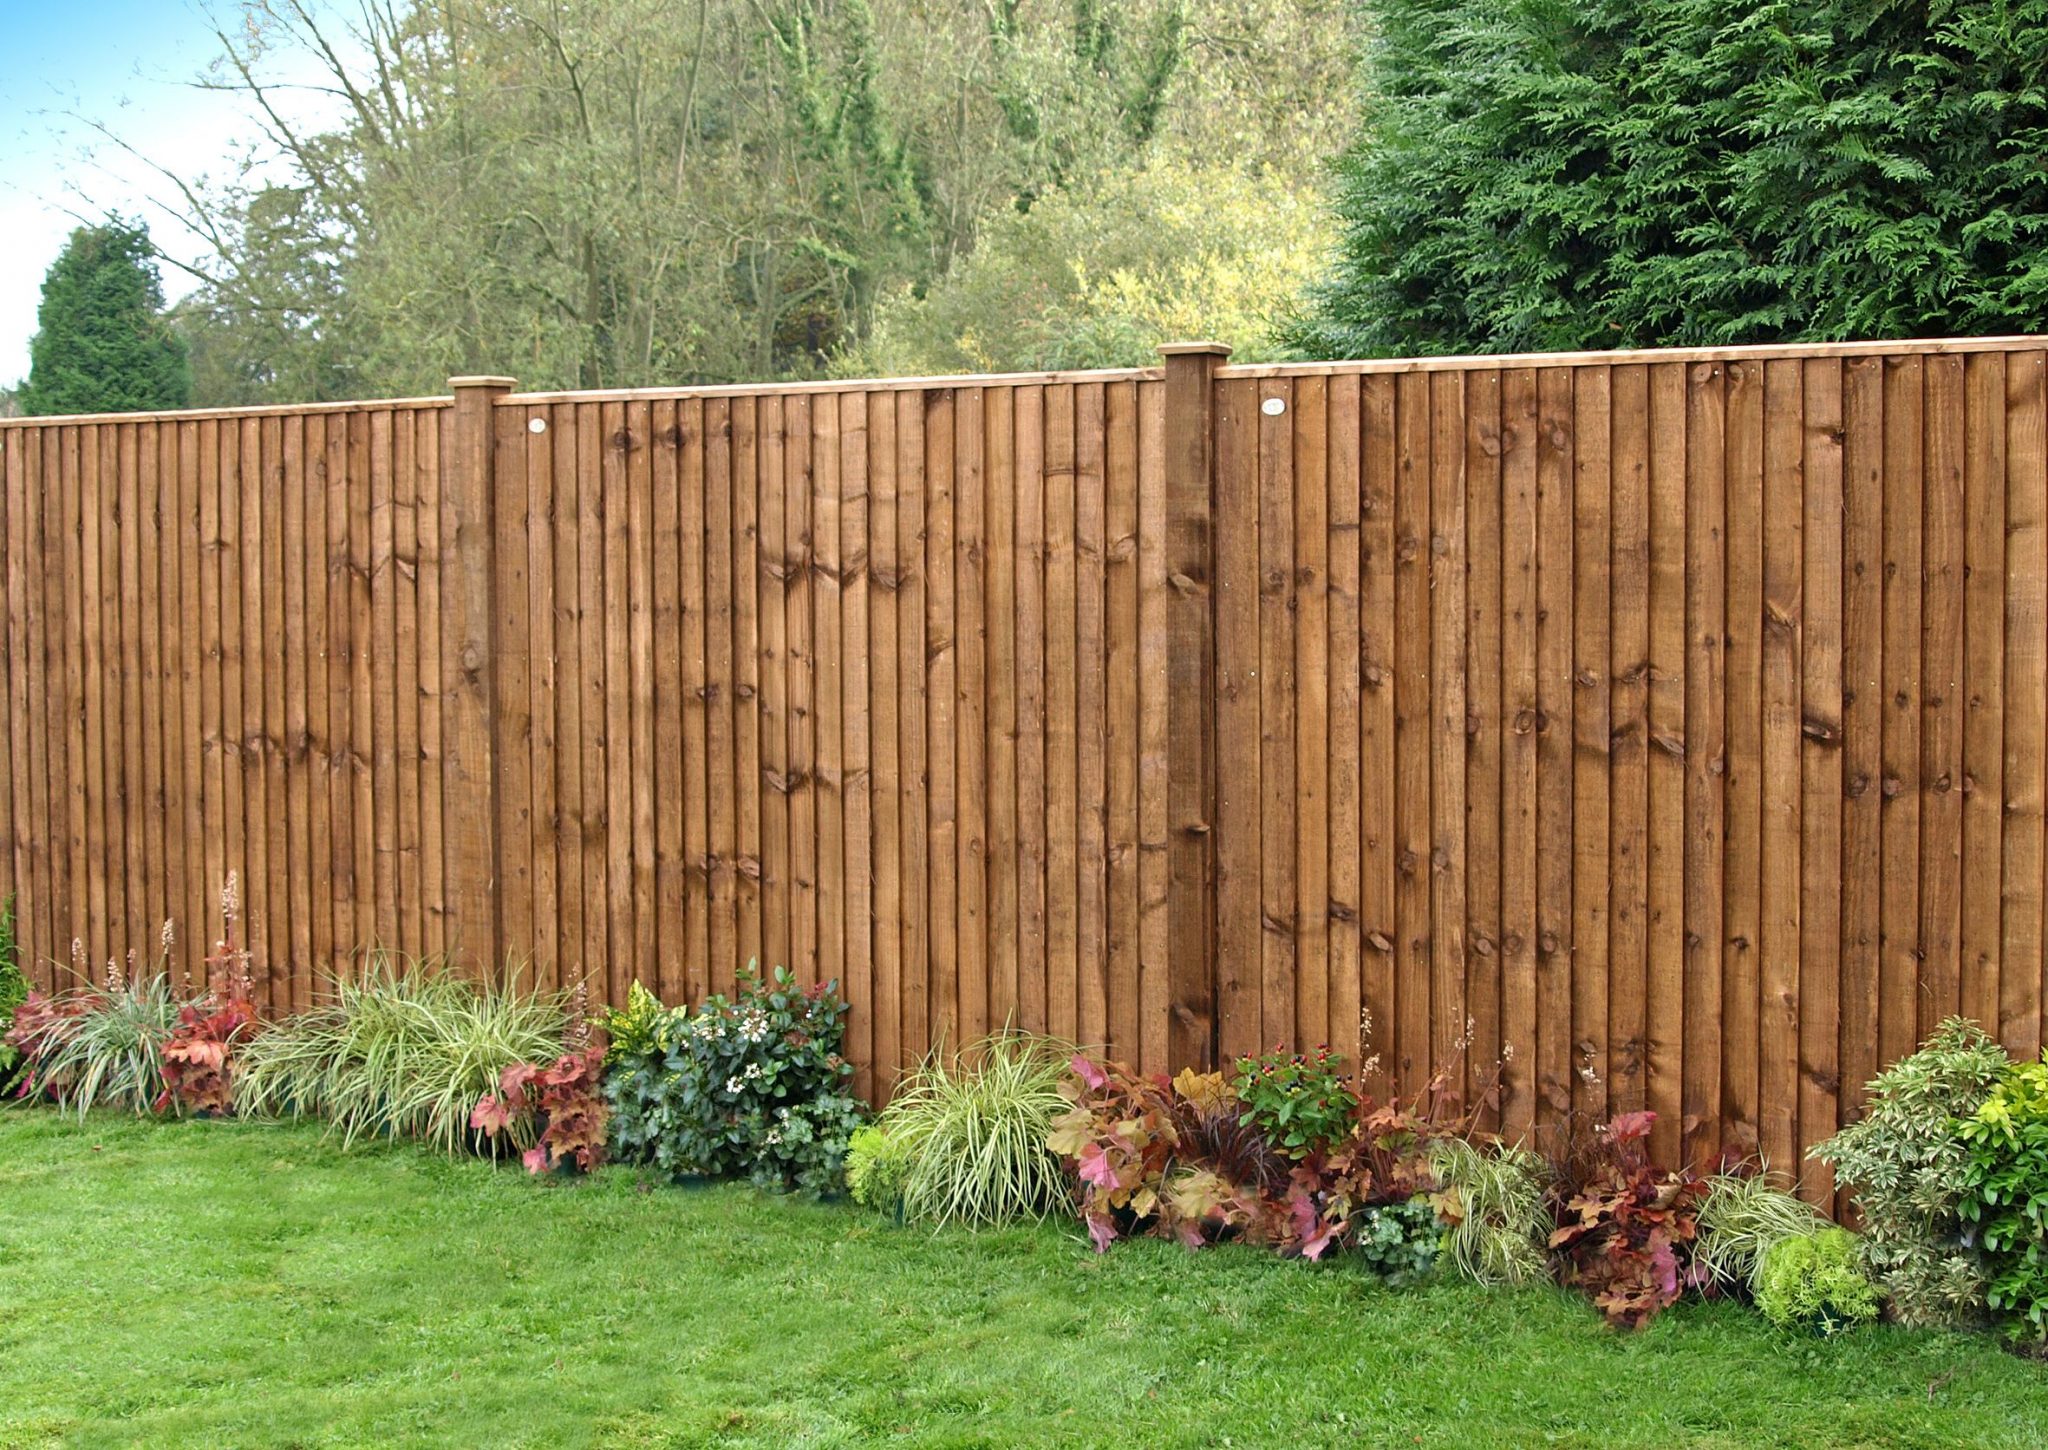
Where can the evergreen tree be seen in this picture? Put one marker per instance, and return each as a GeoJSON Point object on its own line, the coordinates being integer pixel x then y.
{"type": "Point", "coordinates": [102, 343]}
{"type": "Point", "coordinates": [1538, 174]}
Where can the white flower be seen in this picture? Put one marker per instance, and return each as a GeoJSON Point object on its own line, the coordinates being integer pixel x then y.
{"type": "Point", "coordinates": [732, 1084]}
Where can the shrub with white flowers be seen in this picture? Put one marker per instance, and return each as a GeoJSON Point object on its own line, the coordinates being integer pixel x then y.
{"type": "Point", "coordinates": [753, 1087]}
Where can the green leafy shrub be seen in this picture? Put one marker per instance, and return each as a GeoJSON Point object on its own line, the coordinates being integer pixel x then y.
{"type": "Point", "coordinates": [1625, 1226]}
{"type": "Point", "coordinates": [751, 1087]}
{"type": "Point", "coordinates": [635, 1029]}
{"type": "Point", "coordinates": [1906, 1167]}
{"type": "Point", "coordinates": [2005, 1195]}
{"type": "Point", "coordinates": [1299, 1101]}
{"type": "Point", "coordinates": [1813, 1281]}
{"type": "Point", "coordinates": [13, 992]}
{"type": "Point", "coordinates": [406, 1051]}
{"type": "Point", "coordinates": [1400, 1242]}
{"type": "Point", "coordinates": [1742, 1214]}
{"type": "Point", "coordinates": [877, 1167]}
{"type": "Point", "coordinates": [974, 1127]}
{"type": "Point", "coordinates": [1494, 1201]}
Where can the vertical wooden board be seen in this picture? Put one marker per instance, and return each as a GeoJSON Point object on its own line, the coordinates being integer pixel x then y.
{"type": "Point", "coordinates": [884, 710]}
{"type": "Point", "coordinates": [1123, 684]}
{"type": "Point", "coordinates": [509, 664]}
{"type": "Point", "coordinates": [828, 678]}
{"type": "Point", "coordinates": [1983, 681]}
{"type": "Point", "coordinates": [1899, 942]}
{"type": "Point", "coordinates": [433, 443]}
{"type": "Point", "coordinates": [1342, 443]}
{"type": "Point", "coordinates": [1519, 714]}
{"type": "Point", "coordinates": [1237, 526]}
{"type": "Point", "coordinates": [593, 455]}
{"type": "Point", "coordinates": [192, 557]}
{"type": "Point", "coordinates": [1706, 749]}
{"type": "Point", "coordinates": [719, 690]}
{"type": "Point", "coordinates": [138, 932]}
{"type": "Point", "coordinates": [941, 673]}
{"type": "Point", "coordinates": [81, 765]}
{"type": "Point", "coordinates": [1376, 630]}
{"type": "Point", "coordinates": [296, 752]}
{"type": "Point", "coordinates": [1002, 695]}
{"type": "Point", "coordinates": [1664, 988]}
{"type": "Point", "coordinates": [803, 667]}
{"type": "Point", "coordinates": [1820, 769]}
{"type": "Point", "coordinates": [362, 684]}
{"type": "Point", "coordinates": [1628, 737]}
{"type": "Point", "coordinates": [857, 742]}
{"type": "Point", "coordinates": [645, 961]}
{"type": "Point", "coordinates": [1313, 688]}
{"type": "Point", "coordinates": [255, 528]}
{"type": "Point", "coordinates": [1862, 721]}
{"type": "Point", "coordinates": [1555, 1065]}
{"type": "Point", "coordinates": [1029, 488]}
{"type": "Point", "coordinates": [1742, 919]}
{"type": "Point", "coordinates": [60, 499]}
{"type": "Point", "coordinates": [746, 647]}
{"type": "Point", "coordinates": [99, 500]}
{"type": "Point", "coordinates": [1783, 801]}
{"type": "Point", "coordinates": [1155, 964]}
{"type": "Point", "coordinates": [1062, 770]}
{"type": "Point", "coordinates": [183, 828]}
{"type": "Point", "coordinates": [1449, 1028]}
{"type": "Point", "coordinates": [28, 561]}
{"type": "Point", "coordinates": [1592, 843]}
{"type": "Point", "coordinates": [695, 780]}
{"type": "Point", "coordinates": [772, 585]}
{"type": "Point", "coordinates": [275, 644]}
{"type": "Point", "coordinates": [912, 518]}
{"type": "Point", "coordinates": [566, 631]}
{"type": "Point", "coordinates": [16, 827]}
{"type": "Point", "coordinates": [539, 842]}
{"type": "Point", "coordinates": [2026, 701]}
{"type": "Point", "coordinates": [1941, 730]}
{"type": "Point", "coordinates": [616, 730]}
{"type": "Point", "coordinates": [341, 802]}
{"type": "Point", "coordinates": [155, 865]}
{"type": "Point", "coordinates": [229, 642]}
{"type": "Point", "coordinates": [985, 735]}
{"type": "Point", "coordinates": [321, 950]}
{"type": "Point", "coordinates": [1414, 727]}
{"type": "Point", "coordinates": [1274, 671]}
{"type": "Point", "coordinates": [50, 641]}
{"type": "Point", "coordinates": [1090, 716]}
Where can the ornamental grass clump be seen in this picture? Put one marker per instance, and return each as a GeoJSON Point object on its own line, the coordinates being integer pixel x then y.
{"type": "Point", "coordinates": [1906, 1167]}
{"type": "Point", "coordinates": [973, 1126]}
{"type": "Point", "coordinates": [407, 1050]}
{"type": "Point", "coordinates": [99, 1047]}
{"type": "Point", "coordinates": [1495, 1202]}
{"type": "Point", "coordinates": [1742, 1216]}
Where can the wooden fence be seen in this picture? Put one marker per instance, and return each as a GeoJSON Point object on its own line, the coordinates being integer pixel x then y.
{"type": "Point", "coordinates": [1672, 721]}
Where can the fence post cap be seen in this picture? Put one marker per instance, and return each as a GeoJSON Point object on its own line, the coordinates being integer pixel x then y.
{"type": "Point", "coordinates": [483, 382]}
{"type": "Point", "coordinates": [1183, 349]}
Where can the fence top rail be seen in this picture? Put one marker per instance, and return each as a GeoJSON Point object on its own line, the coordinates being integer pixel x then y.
{"type": "Point", "coordinates": [832, 385]}
{"type": "Point", "coordinates": [1462, 363]}
{"type": "Point", "coordinates": [1618, 357]}
{"type": "Point", "coordinates": [200, 415]}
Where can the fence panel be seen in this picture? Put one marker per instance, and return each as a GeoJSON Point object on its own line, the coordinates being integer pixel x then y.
{"type": "Point", "coordinates": [1673, 723]}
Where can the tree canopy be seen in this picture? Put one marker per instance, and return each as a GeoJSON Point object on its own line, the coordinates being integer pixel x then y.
{"type": "Point", "coordinates": [102, 344]}
{"type": "Point", "coordinates": [639, 191]}
{"type": "Point", "coordinates": [1560, 174]}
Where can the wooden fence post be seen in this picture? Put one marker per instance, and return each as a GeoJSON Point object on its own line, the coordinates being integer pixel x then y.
{"type": "Point", "coordinates": [1190, 702]}
{"type": "Point", "coordinates": [468, 708]}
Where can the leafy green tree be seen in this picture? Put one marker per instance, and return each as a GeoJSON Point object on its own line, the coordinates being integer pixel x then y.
{"type": "Point", "coordinates": [1534, 174]}
{"type": "Point", "coordinates": [102, 344]}
{"type": "Point", "coordinates": [1100, 275]}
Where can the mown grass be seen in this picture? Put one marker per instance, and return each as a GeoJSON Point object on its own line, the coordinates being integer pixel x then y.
{"type": "Point", "coordinates": [220, 1283]}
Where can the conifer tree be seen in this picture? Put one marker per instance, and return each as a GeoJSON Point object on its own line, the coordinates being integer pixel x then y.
{"type": "Point", "coordinates": [102, 343]}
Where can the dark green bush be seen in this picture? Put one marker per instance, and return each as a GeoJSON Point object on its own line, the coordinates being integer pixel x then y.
{"type": "Point", "coordinates": [754, 1087]}
{"type": "Point", "coordinates": [13, 992]}
{"type": "Point", "coordinates": [1532, 175]}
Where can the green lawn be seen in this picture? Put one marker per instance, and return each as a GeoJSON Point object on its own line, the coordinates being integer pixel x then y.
{"type": "Point", "coordinates": [216, 1283]}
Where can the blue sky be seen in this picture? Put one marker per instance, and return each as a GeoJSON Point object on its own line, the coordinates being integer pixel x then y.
{"type": "Point", "coordinates": [127, 64]}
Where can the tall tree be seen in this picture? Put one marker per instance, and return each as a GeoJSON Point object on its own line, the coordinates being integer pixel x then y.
{"type": "Point", "coordinates": [102, 344]}
{"type": "Point", "coordinates": [1533, 174]}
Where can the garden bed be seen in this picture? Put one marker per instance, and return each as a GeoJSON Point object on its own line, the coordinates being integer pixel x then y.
{"type": "Point", "coordinates": [183, 1282]}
